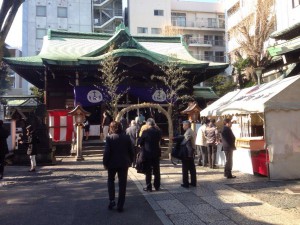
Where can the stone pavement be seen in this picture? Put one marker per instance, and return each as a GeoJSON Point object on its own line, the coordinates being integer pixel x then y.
{"type": "Point", "coordinates": [75, 193]}
{"type": "Point", "coordinates": [213, 201]}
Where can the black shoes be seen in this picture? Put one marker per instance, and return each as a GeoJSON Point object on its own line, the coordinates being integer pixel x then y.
{"type": "Point", "coordinates": [147, 189]}
{"type": "Point", "coordinates": [185, 185]}
{"type": "Point", "coordinates": [120, 209]}
{"type": "Point", "coordinates": [111, 205]}
{"type": "Point", "coordinates": [193, 185]}
{"type": "Point", "coordinates": [231, 177]}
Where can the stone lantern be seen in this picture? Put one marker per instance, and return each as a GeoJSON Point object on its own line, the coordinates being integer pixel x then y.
{"type": "Point", "coordinates": [79, 115]}
{"type": "Point", "coordinates": [193, 112]}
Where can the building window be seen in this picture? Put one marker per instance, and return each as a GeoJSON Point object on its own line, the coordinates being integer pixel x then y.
{"type": "Point", "coordinates": [219, 41]}
{"type": "Point", "coordinates": [208, 39]}
{"type": "Point", "coordinates": [41, 11]}
{"type": "Point", "coordinates": [208, 55]}
{"type": "Point", "coordinates": [178, 19]}
{"type": "Point", "coordinates": [156, 31]}
{"type": "Point", "coordinates": [296, 3]}
{"type": "Point", "coordinates": [219, 57]}
{"type": "Point", "coordinates": [62, 12]}
{"type": "Point", "coordinates": [40, 33]}
{"type": "Point", "coordinates": [142, 30]}
{"type": "Point", "coordinates": [212, 22]}
{"type": "Point", "coordinates": [158, 12]}
{"type": "Point", "coordinates": [221, 19]}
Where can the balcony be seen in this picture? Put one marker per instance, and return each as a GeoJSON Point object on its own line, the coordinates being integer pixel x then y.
{"type": "Point", "coordinates": [202, 23]}
{"type": "Point", "coordinates": [201, 42]}
{"type": "Point", "coordinates": [210, 58]}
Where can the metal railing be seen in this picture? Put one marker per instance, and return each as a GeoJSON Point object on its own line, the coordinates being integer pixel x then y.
{"type": "Point", "coordinates": [202, 41]}
{"type": "Point", "coordinates": [203, 23]}
{"type": "Point", "coordinates": [211, 58]}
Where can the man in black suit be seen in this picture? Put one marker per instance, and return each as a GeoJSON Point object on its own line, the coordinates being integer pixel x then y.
{"type": "Point", "coordinates": [118, 156]}
{"type": "Point", "coordinates": [228, 142]}
{"type": "Point", "coordinates": [150, 143]}
{"type": "Point", "coordinates": [132, 132]}
{"type": "Point", "coordinates": [3, 147]}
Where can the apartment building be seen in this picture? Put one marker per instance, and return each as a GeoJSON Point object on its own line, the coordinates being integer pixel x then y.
{"type": "Point", "coordinates": [107, 15]}
{"type": "Point", "coordinates": [18, 87]}
{"type": "Point", "coordinates": [41, 15]}
{"type": "Point", "coordinates": [287, 13]}
{"type": "Point", "coordinates": [202, 24]}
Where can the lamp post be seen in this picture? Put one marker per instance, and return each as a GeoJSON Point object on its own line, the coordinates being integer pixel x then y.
{"type": "Point", "coordinates": [79, 115]}
{"type": "Point", "coordinates": [258, 72]}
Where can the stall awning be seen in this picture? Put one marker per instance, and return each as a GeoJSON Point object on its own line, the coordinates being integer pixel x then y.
{"type": "Point", "coordinates": [255, 99]}
{"type": "Point", "coordinates": [286, 47]}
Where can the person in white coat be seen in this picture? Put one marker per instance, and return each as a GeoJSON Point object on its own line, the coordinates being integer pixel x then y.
{"type": "Point", "coordinates": [201, 144]}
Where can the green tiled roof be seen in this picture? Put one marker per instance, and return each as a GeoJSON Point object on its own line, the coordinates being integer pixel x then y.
{"type": "Point", "coordinates": [71, 48]}
{"type": "Point", "coordinates": [204, 93]}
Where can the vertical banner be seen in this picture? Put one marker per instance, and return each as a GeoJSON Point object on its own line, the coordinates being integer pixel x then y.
{"type": "Point", "coordinates": [60, 125]}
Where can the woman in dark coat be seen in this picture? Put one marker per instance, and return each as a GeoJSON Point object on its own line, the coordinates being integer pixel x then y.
{"type": "Point", "coordinates": [32, 141]}
{"type": "Point", "coordinates": [118, 156]}
{"type": "Point", "coordinates": [3, 147]}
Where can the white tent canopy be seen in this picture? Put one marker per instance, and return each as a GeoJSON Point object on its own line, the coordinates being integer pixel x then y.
{"type": "Point", "coordinates": [255, 99]}
{"type": "Point", "coordinates": [279, 100]}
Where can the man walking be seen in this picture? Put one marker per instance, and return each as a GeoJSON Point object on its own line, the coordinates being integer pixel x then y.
{"type": "Point", "coordinates": [150, 144]}
{"type": "Point", "coordinates": [228, 142]}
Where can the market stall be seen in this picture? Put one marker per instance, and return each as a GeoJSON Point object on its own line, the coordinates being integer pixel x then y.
{"type": "Point", "coordinates": [267, 116]}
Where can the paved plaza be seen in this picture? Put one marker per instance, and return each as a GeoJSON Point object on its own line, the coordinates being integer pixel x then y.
{"type": "Point", "coordinates": [75, 193]}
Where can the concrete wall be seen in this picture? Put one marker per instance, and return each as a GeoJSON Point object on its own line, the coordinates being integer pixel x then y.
{"type": "Point", "coordinates": [78, 19]}
{"type": "Point", "coordinates": [141, 14]}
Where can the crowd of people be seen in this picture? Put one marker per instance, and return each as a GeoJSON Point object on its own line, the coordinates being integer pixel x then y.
{"type": "Point", "coordinates": [125, 146]}
{"type": "Point", "coordinates": [145, 138]}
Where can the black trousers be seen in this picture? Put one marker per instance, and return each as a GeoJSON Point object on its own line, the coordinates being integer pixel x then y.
{"type": "Point", "coordinates": [152, 167]}
{"type": "Point", "coordinates": [188, 166]}
{"type": "Point", "coordinates": [122, 177]}
{"type": "Point", "coordinates": [212, 150]}
{"type": "Point", "coordinates": [2, 161]}
{"type": "Point", "coordinates": [228, 163]}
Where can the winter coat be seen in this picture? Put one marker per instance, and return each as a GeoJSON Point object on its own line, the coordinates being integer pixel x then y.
{"type": "Point", "coordinates": [200, 139]}
{"type": "Point", "coordinates": [228, 139]}
{"type": "Point", "coordinates": [211, 134]}
{"type": "Point", "coordinates": [32, 141]}
{"type": "Point", "coordinates": [118, 151]}
{"type": "Point", "coordinates": [3, 143]}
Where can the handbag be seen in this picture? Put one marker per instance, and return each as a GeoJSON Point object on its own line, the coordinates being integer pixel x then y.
{"type": "Point", "coordinates": [179, 152]}
{"type": "Point", "coordinates": [140, 163]}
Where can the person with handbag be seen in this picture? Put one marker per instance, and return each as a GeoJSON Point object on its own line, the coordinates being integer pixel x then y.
{"type": "Point", "coordinates": [32, 141]}
{"type": "Point", "coordinates": [151, 152]}
{"type": "Point", "coordinates": [228, 145]}
{"type": "Point", "coordinates": [3, 147]}
{"type": "Point", "coordinates": [117, 157]}
{"type": "Point", "coordinates": [188, 164]}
